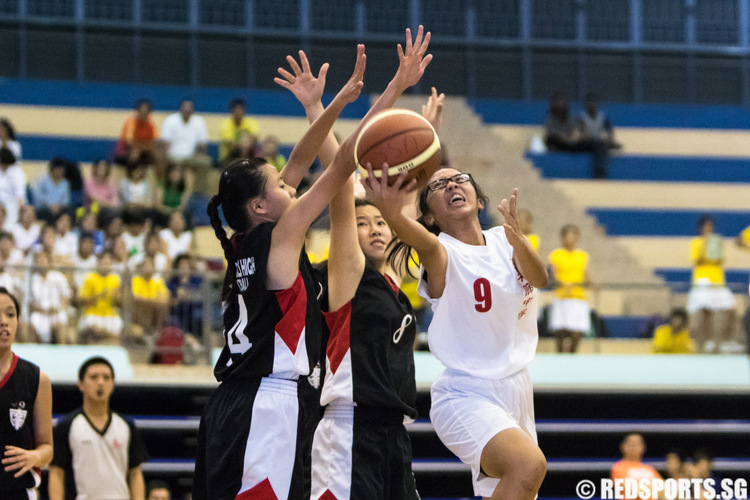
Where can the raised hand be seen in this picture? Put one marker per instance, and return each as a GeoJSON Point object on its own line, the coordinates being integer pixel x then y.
{"type": "Point", "coordinates": [412, 61]}
{"type": "Point", "coordinates": [433, 110]}
{"type": "Point", "coordinates": [306, 87]}
{"type": "Point", "coordinates": [512, 227]}
{"type": "Point", "coordinates": [351, 89]}
{"type": "Point", "coordinates": [389, 197]}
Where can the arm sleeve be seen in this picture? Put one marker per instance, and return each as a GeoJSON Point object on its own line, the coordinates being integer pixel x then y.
{"type": "Point", "coordinates": [203, 138]}
{"type": "Point", "coordinates": [166, 129]}
{"type": "Point", "coordinates": [62, 457]}
{"type": "Point", "coordinates": [137, 453]}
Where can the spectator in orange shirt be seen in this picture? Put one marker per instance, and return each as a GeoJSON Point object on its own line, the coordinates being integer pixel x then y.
{"type": "Point", "coordinates": [630, 467]}
{"type": "Point", "coordinates": [138, 136]}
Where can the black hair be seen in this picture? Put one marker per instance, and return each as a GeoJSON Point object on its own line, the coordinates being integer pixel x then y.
{"type": "Point", "coordinates": [58, 162]}
{"type": "Point", "coordinates": [96, 360]}
{"type": "Point", "coordinates": [157, 484]}
{"type": "Point", "coordinates": [679, 312]}
{"type": "Point", "coordinates": [237, 101]}
{"type": "Point", "coordinates": [4, 122]}
{"type": "Point", "coordinates": [676, 451]}
{"type": "Point", "coordinates": [242, 180]}
{"type": "Point", "coordinates": [144, 100]}
{"type": "Point", "coordinates": [133, 216]}
{"type": "Point", "coordinates": [180, 186]}
{"type": "Point", "coordinates": [5, 291]}
{"type": "Point", "coordinates": [6, 235]}
{"type": "Point", "coordinates": [85, 235]}
{"type": "Point", "coordinates": [702, 454]}
{"type": "Point", "coordinates": [7, 157]}
{"type": "Point", "coordinates": [179, 258]}
{"type": "Point", "coordinates": [400, 254]}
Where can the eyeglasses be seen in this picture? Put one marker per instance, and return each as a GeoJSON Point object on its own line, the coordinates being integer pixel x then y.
{"type": "Point", "coordinates": [442, 183]}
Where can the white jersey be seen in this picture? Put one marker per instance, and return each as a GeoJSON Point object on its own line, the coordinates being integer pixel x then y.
{"type": "Point", "coordinates": [484, 324]}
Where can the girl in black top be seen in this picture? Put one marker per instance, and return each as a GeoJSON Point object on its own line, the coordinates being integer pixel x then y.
{"type": "Point", "coordinates": [25, 412]}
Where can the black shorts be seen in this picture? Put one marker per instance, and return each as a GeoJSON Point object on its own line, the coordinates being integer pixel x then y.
{"type": "Point", "coordinates": [356, 458]}
{"type": "Point", "coordinates": [249, 442]}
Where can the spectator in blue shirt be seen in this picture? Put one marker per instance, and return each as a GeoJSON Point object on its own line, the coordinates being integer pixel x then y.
{"type": "Point", "coordinates": [51, 195]}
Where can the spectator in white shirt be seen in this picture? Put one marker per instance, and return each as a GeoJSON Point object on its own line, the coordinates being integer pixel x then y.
{"type": "Point", "coordinates": [66, 244]}
{"type": "Point", "coordinates": [12, 186]}
{"type": "Point", "coordinates": [185, 136]}
{"type": "Point", "coordinates": [50, 295]}
{"type": "Point", "coordinates": [26, 230]}
{"type": "Point", "coordinates": [176, 239]}
{"type": "Point", "coordinates": [9, 254]}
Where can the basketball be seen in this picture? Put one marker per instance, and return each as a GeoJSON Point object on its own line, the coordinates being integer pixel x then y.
{"type": "Point", "coordinates": [403, 139]}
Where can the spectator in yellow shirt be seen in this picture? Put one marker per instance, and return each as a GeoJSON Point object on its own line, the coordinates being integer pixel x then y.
{"type": "Point", "coordinates": [100, 295]}
{"type": "Point", "coordinates": [150, 299]}
{"type": "Point", "coordinates": [673, 338]}
{"type": "Point", "coordinates": [570, 315]}
{"type": "Point", "coordinates": [710, 303]}
{"type": "Point", "coordinates": [232, 129]}
{"type": "Point", "coordinates": [743, 240]}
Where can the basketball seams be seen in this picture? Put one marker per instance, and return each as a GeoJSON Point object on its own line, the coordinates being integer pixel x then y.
{"type": "Point", "coordinates": [396, 134]}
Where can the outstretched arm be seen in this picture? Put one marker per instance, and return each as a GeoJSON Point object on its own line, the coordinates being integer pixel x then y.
{"type": "Point", "coordinates": [307, 148]}
{"type": "Point", "coordinates": [528, 262]}
{"type": "Point", "coordinates": [392, 201]}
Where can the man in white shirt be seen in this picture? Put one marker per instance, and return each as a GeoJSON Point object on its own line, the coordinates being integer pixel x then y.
{"type": "Point", "coordinates": [185, 136]}
{"type": "Point", "coordinates": [12, 187]}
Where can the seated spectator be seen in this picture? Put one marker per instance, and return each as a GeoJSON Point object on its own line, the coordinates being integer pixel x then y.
{"type": "Point", "coordinates": [562, 134]}
{"type": "Point", "coordinates": [26, 230]}
{"type": "Point", "coordinates": [594, 124]}
{"type": "Point", "coordinates": [84, 260]}
{"type": "Point", "coordinates": [234, 128]}
{"type": "Point", "coordinates": [8, 138]}
{"type": "Point", "coordinates": [12, 187]}
{"type": "Point", "coordinates": [710, 303]}
{"type": "Point", "coordinates": [674, 337]}
{"type": "Point", "coordinates": [269, 150]}
{"type": "Point", "coordinates": [9, 254]}
{"type": "Point", "coordinates": [186, 138]}
{"type": "Point", "coordinates": [569, 315]}
{"type": "Point", "coordinates": [171, 193]}
{"type": "Point", "coordinates": [138, 136]}
{"type": "Point", "coordinates": [66, 242]}
{"type": "Point", "coordinates": [11, 280]}
{"type": "Point", "coordinates": [114, 228]}
{"type": "Point", "coordinates": [176, 238]}
{"type": "Point", "coordinates": [49, 298]}
{"type": "Point", "coordinates": [186, 309]}
{"type": "Point", "coordinates": [150, 299]}
{"type": "Point", "coordinates": [158, 490]}
{"type": "Point", "coordinates": [703, 465]}
{"type": "Point", "coordinates": [151, 252]}
{"type": "Point", "coordinates": [675, 466]}
{"type": "Point", "coordinates": [100, 297]}
{"type": "Point", "coordinates": [136, 227]}
{"type": "Point", "coordinates": [75, 180]}
{"type": "Point", "coordinates": [99, 195]}
{"type": "Point", "coordinates": [525, 223]}
{"type": "Point", "coordinates": [136, 190]}
{"type": "Point", "coordinates": [631, 466]}
{"type": "Point", "coordinates": [87, 223]}
{"type": "Point", "coordinates": [119, 254]}
{"type": "Point", "coordinates": [247, 148]}
{"type": "Point", "coordinates": [51, 194]}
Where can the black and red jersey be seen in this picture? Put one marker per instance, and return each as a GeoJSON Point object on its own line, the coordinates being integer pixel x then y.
{"type": "Point", "coordinates": [370, 350]}
{"type": "Point", "coordinates": [266, 331]}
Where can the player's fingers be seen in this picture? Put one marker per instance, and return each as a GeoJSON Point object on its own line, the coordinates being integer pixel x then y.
{"type": "Point", "coordinates": [26, 468]}
{"type": "Point", "coordinates": [371, 180]}
{"type": "Point", "coordinates": [425, 43]}
{"type": "Point", "coordinates": [408, 41]}
{"type": "Point", "coordinates": [425, 61]}
{"type": "Point", "coordinates": [418, 38]}
{"type": "Point", "coordinates": [303, 60]}
{"type": "Point", "coordinates": [411, 186]}
{"type": "Point", "coordinates": [295, 67]}
{"type": "Point", "coordinates": [400, 51]}
{"type": "Point", "coordinates": [13, 450]}
{"type": "Point", "coordinates": [323, 71]}
{"type": "Point", "coordinates": [287, 75]}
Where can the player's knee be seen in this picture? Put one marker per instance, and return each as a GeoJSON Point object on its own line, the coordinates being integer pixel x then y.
{"type": "Point", "coordinates": [530, 470]}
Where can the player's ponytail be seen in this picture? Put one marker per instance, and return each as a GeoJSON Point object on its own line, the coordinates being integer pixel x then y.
{"type": "Point", "coordinates": [213, 214]}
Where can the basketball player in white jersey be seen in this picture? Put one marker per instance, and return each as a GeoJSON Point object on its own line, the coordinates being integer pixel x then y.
{"type": "Point", "coordinates": [481, 285]}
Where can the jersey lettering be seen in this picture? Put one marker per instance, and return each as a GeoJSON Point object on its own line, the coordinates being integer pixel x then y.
{"type": "Point", "coordinates": [237, 341]}
{"type": "Point", "coordinates": [406, 321]}
{"type": "Point", "coordinates": [483, 295]}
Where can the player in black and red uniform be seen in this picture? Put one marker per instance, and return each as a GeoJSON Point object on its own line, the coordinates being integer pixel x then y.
{"type": "Point", "coordinates": [248, 437]}
{"type": "Point", "coordinates": [25, 412]}
{"type": "Point", "coordinates": [361, 448]}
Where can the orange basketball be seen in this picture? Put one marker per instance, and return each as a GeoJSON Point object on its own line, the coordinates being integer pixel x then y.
{"type": "Point", "coordinates": [404, 140]}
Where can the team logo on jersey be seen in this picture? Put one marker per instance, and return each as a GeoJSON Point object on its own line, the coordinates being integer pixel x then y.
{"type": "Point", "coordinates": [314, 377]}
{"type": "Point", "coordinates": [406, 321]}
{"type": "Point", "coordinates": [18, 414]}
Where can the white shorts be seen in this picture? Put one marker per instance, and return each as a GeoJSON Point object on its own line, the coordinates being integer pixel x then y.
{"type": "Point", "coordinates": [44, 322]}
{"type": "Point", "coordinates": [713, 298]}
{"type": "Point", "coordinates": [110, 324]}
{"type": "Point", "coordinates": [570, 314]}
{"type": "Point", "coordinates": [468, 411]}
